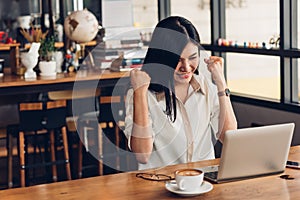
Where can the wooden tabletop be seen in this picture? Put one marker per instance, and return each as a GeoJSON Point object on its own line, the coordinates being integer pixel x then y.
{"type": "Point", "coordinates": [127, 186]}
{"type": "Point", "coordinates": [13, 84]}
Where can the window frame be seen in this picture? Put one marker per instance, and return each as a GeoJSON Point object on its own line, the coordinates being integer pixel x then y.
{"type": "Point", "coordinates": [289, 99]}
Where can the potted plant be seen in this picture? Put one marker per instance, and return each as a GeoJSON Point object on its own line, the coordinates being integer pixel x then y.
{"type": "Point", "coordinates": [47, 64]}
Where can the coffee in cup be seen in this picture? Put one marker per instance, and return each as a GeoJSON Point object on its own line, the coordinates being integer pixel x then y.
{"type": "Point", "coordinates": [189, 179]}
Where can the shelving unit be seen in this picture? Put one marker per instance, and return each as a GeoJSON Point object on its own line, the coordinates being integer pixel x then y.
{"type": "Point", "coordinates": [13, 55]}
{"type": "Point", "coordinates": [295, 53]}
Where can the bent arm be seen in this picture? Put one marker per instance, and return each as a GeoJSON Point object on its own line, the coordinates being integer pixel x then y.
{"type": "Point", "coordinates": [227, 119]}
{"type": "Point", "coordinates": [141, 135]}
{"type": "Point", "coordinates": [141, 138]}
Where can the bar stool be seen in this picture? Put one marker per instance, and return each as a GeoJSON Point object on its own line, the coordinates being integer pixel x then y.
{"type": "Point", "coordinates": [111, 120]}
{"type": "Point", "coordinates": [83, 122]}
{"type": "Point", "coordinates": [108, 122]}
{"type": "Point", "coordinates": [94, 122]}
{"type": "Point", "coordinates": [39, 118]}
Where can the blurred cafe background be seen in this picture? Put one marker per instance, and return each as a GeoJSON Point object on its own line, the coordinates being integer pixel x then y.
{"type": "Point", "coordinates": [259, 41]}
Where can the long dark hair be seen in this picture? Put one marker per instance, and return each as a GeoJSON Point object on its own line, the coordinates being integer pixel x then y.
{"type": "Point", "coordinates": [169, 38]}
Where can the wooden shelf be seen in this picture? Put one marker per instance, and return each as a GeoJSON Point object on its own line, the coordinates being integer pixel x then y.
{"type": "Point", "coordinates": [295, 53]}
{"type": "Point", "coordinates": [56, 45]}
{"type": "Point", "coordinates": [7, 47]}
{"type": "Point", "coordinates": [61, 44]}
{"type": "Point", "coordinates": [91, 43]}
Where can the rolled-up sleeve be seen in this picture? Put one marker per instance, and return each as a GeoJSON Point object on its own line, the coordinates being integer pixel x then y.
{"type": "Point", "coordinates": [215, 113]}
{"type": "Point", "coordinates": [129, 115]}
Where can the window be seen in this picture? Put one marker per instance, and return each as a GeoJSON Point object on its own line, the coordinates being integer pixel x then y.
{"type": "Point", "coordinates": [145, 13]}
{"type": "Point", "coordinates": [129, 13]}
{"type": "Point", "coordinates": [94, 7]}
{"type": "Point", "coordinates": [298, 26]}
{"type": "Point", "coordinates": [259, 76]}
{"type": "Point", "coordinates": [252, 21]}
{"type": "Point", "coordinates": [198, 12]}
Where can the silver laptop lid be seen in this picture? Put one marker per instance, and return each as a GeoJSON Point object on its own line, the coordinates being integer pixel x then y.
{"type": "Point", "coordinates": [255, 151]}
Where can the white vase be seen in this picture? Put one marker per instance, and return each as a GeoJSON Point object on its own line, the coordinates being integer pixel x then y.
{"type": "Point", "coordinates": [59, 59]}
{"type": "Point", "coordinates": [48, 68]}
{"type": "Point", "coordinates": [29, 60]}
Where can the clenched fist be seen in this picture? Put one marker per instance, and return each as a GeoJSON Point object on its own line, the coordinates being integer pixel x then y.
{"type": "Point", "coordinates": [216, 67]}
{"type": "Point", "coordinates": [140, 80]}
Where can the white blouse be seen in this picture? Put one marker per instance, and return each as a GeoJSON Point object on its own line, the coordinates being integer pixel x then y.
{"type": "Point", "coordinates": [191, 137]}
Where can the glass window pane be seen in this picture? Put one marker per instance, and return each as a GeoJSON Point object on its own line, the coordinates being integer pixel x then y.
{"type": "Point", "coordinates": [298, 25]}
{"type": "Point", "coordinates": [145, 13]}
{"type": "Point", "coordinates": [252, 21]}
{"type": "Point", "coordinates": [198, 12]}
{"type": "Point", "coordinates": [129, 13]}
{"type": "Point", "coordinates": [254, 75]}
{"type": "Point", "coordinates": [93, 6]}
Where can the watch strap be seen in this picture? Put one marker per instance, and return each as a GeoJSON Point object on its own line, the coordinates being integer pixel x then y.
{"type": "Point", "coordinates": [225, 92]}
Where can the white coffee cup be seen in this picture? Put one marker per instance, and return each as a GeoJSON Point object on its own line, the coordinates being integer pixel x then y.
{"type": "Point", "coordinates": [189, 179]}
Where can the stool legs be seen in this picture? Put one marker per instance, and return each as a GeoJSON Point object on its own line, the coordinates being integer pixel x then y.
{"type": "Point", "coordinates": [22, 158]}
{"type": "Point", "coordinates": [52, 151]}
{"type": "Point", "coordinates": [9, 160]}
{"type": "Point", "coordinates": [117, 143]}
{"type": "Point", "coordinates": [66, 152]}
{"type": "Point", "coordinates": [100, 149]}
{"type": "Point", "coordinates": [80, 145]}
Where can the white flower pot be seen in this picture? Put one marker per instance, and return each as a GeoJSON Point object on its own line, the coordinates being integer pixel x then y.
{"type": "Point", "coordinates": [48, 68]}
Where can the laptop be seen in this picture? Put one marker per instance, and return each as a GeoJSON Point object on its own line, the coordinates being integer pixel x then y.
{"type": "Point", "coordinates": [252, 152]}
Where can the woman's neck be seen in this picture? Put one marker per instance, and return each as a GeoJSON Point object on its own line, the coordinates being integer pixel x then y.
{"type": "Point", "coordinates": [181, 91]}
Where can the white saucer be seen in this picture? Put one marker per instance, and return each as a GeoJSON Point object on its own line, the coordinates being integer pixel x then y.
{"type": "Point", "coordinates": [51, 74]}
{"type": "Point", "coordinates": [205, 187]}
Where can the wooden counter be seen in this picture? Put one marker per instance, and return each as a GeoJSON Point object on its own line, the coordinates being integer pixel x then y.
{"type": "Point", "coordinates": [12, 84]}
{"type": "Point", "coordinates": [128, 186]}
{"type": "Point", "coordinates": [7, 47]}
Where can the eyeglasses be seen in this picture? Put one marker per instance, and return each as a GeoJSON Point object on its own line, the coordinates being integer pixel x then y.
{"type": "Point", "coordinates": [287, 177]}
{"type": "Point", "coordinates": [154, 177]}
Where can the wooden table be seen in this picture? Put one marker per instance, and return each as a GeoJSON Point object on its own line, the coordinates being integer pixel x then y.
{"type": "Point", "coordinates": [128, 186]}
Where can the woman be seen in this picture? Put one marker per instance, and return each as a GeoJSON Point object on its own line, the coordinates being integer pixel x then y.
{"type": "Point", "coordinates": [173, 113]}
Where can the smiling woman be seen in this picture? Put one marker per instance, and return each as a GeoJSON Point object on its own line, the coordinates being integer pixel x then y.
{"type": "Point", "coordinates": [169, 99]}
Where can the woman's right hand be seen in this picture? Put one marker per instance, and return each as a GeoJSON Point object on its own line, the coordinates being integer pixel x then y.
{"type": "Point", "coordinates": [139, 80]}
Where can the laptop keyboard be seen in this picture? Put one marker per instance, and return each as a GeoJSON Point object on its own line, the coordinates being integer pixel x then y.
{"type": "Point", "coordinates": [212, 175]}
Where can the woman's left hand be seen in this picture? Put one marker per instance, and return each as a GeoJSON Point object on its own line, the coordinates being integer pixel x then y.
{"type": "Point", "coordinates": [215, 66]}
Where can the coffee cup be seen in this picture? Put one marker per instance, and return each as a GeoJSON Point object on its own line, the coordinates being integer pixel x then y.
{"type": "Point", "coordinates": [189, 179]}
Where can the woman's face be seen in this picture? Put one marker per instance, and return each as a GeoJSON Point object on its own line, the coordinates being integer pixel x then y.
{"type": "Point", "coordinates": [188, 63]}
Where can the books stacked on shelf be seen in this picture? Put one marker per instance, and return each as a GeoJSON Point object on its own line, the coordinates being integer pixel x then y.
{"type": "Point", "coordinates": [128, 64]}
{"type": "Point", "coordinates": [122, 44]}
